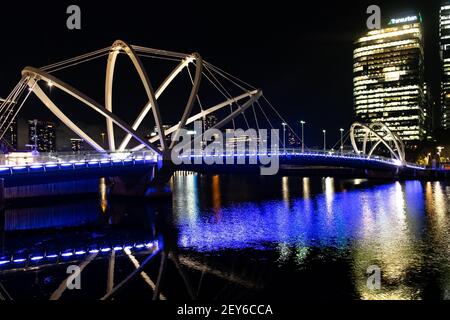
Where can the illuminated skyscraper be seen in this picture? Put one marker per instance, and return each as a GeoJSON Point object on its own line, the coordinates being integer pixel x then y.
{"type": "Point", "coordinates": [42, 134]}
{"type": "Point", "coordinates": [444, 37]}
{"type": "Point", "coordinates": [388, 78]}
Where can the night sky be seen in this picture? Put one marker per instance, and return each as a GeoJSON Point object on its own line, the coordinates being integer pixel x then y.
{"type": "Point", "coordinates": [299, 53]}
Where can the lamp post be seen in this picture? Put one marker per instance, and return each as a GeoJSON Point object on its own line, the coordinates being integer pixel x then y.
{"type": "Point", "coordinates": [342, 141]}
{"type": "Point", "coordinates": [303, 136]}
{"type": "Point", "coordinates": [284, 136]}
{"type": "Point", "coordinates": [324, 140]}
{"type": "Point", "coordinates": [35, 122]}
{"type": "Point", "coordinates": [103, 138]}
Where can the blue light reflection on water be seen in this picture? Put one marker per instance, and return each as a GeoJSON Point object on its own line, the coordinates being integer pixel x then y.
{"type": "Point", "coordinates": [328, 218]}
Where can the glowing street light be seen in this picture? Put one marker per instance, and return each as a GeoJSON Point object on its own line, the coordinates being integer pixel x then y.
{"type": "Point", "coordinates": [284, 136]}
{"type": "Point", "coordinates": [324, 140]}
{"type": "Point", "coordinates": [342, 141]}
{"type": "Point", "coordinates": [303, 136]}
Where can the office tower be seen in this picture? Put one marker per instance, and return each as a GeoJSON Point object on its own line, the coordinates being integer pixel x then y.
{"type": "Point", "coordinates": [444, 41]}
{"type": "Point", "coordinates": [77, 144]}
{"type": "Point", "coordinates": [42, 135]}
{"type": "Point", "coordinates": [388, 78]}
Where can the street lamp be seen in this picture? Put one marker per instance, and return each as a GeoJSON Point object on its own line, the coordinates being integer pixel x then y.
{"type": "Point", "coordinates": [35, 122]}
{"type": "Point", "coordinates": [324, 140]}
{"type": "Point", "coordinates": [439, 150]}
{"type": "Point", "coordinates": [342, 141]}
{"type": "Point", "coordinates": [103, 138]}
{"type": "Point", "coordinates": [303, 136]}
{"type": "Point", "coordinates": [284, 136]}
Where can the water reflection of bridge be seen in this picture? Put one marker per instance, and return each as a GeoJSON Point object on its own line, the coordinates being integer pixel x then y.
{"type": "Point", "coordinates": [140, 253]}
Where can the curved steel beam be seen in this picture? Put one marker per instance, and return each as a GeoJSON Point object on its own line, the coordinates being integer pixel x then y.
{"type": "Point", "coordinates": [184, 63]}
{"type": "Point", "coordinates": [192, 97]}
{"type": "Point", "coordinates": [398, 142]}
{"type": "Point", "coordinates": [202, 114]}
{"type": "Point", "coordinates": [116, 48]}
{"type": "Point", "coordinates": [369, 129]}
{"type": "Point", "coordinates": [41, 75]}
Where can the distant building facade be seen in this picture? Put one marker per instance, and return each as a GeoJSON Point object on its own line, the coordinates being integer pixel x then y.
{"type": "Point", "coordinates": [42, 134]}
{"type": "Point", "coordinates": [444, 42]}
{"type": "Point", "coordinates": [77, 144]}
{"type": "Point", "coordinates": [388, 79]}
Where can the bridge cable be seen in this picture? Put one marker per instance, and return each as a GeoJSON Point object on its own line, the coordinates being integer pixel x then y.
{"type": "Point", "coordinates": [9, 99]}
{"type": "Point", "coordinates": [160, 58]}
{"type": "Point", "coordinates": [78, 63]}
{"type": "Point", "coordinates": [229, 95]}
{"type": "Point", "coordinates": [77, 58]}
{"type": "Point", "coordinates": [198, 99]}
{"type": "Point", "coordinates": [20, 107]}
{"type": "Point", "coordinates": [224, 74]}
{"type": "Point", "coordinates": [9, 110]}
{"type": "Point", "coordinates": [231, 104]}
{"type": "Point", "coordinates": [279, 115]}
{"type": "Point", "coordinates": [160, 52]}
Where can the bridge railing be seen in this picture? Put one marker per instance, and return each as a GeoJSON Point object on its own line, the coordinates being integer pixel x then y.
{"type": "Point", "coordinates": [286, 152]}
{"type": "Point", "coordinates": [30, 158]}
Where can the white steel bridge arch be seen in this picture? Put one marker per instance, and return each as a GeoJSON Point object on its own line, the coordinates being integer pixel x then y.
{"type": "Point", "coordinates": [373, 129]}
{"type": "Point", "coordinates": [31, 76]}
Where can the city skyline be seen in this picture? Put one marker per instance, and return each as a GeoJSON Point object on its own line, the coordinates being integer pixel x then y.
{"type": "Point", "coordinates": [294, 89]}
{"type": "Point", "coordinates": [237, 151]}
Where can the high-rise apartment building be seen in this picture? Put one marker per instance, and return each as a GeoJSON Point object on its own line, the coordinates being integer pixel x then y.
{"type": "Point", "coordinates": [388, 82]}
{"type": "Point", "coordinates": [444, 42]}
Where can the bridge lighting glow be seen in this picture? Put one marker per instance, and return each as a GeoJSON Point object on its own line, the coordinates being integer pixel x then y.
{"type": "Point", "coordinates": [37, 258]}
{"type": "Point", "coordinates": [67, 254]}
{"type": "Point", "coordinates": [50, 84]}
{"type": "Point", "coordinates": [3, 262]}
{"type": "Point", "coordinates": [80, 253]}
{"type": "Point", "coordinates": [398, 163]}
{"type": "Point", "coordinates": [21, 260]}
{"type": "Point", "coordinates": [105, 249]}
{"type": "Point", "coordinates": [51, 256]}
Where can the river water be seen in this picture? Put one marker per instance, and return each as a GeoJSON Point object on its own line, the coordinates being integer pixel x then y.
{"type": "Point", "coordinates": [241, 237]}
